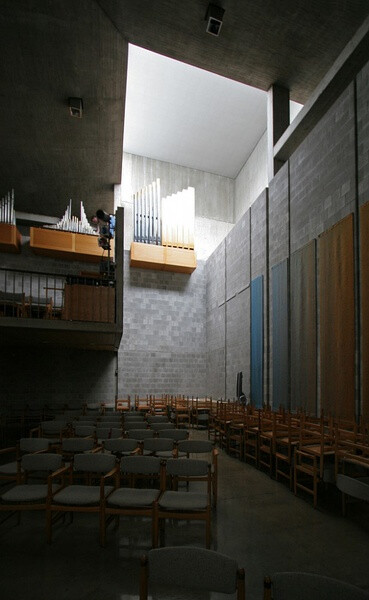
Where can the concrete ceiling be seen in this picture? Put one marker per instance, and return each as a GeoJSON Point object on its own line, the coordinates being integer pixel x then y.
{"type": "Point", "coordinates": [53, 50]}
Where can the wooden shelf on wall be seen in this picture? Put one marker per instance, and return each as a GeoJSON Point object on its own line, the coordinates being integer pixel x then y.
{"type": "Point", "coordinates": [66, 245]}
{"type": "Point", "coordinates": [162, 258]}
{"type": "Point", "coordinates": [10, 238]}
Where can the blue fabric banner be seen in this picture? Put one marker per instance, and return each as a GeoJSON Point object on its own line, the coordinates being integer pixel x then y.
{"type": "Point", "coordinates": [257, 342]}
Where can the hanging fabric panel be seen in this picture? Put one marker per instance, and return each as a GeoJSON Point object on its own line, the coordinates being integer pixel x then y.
{"type": "Point", "coordinates": [257, 342]}
{"type": "Point", "coordinates": [364, 286]}
{"type": "Point", "coordinates": [280, 335]}
{"type": "Point", "coordinates": [337, 319]}
{"type": "Point", "coordinates": [303, 328]}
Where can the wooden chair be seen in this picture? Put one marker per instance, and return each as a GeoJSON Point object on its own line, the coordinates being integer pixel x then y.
{"type": "Point", "coordinates": [157, 419]}
{"type": "Point", "coordinates": [76, 445]}
{"type": "Point", "coordinates": [175, 434]}
{"type": "Point", "coordinates": [162, 447]}
{"type": "Point", "coordinates": [129, 425]}
{"type": "Point", "coordinates": [11, 471]}
{"type": "Point", "coordinates": [133, 501]}
{"type": "Point", "coordinates": [352, 462]}
{"type": "Point", "coordinates": [251, 437]}
{"type": "Point", "coordinates": [52, 430]}
{"type": "Point", "coordinates": [286, 439]}
{"type": "Point", "coordinates": [161, 426]}
{"type": "Point", "coordinates": [123, 404]}
{"type": "Point", "coordinates": [194, 448]}
{"type": "Point", "coordinates": [95, 470]}
{"type": "Point", "coordinates": [40, 307]}
{"type": "Point", "coordinates": [201, 409]}
{"type": "Point", "coordinates": [266, 436]}
{"type": "Point", "coordinates": [187, 505]}
{"type": "Point", "coordinates": [33, 492]}
{"type": "Point", "coordinates": [121, 447]}
{"type": "Point", "coordinates": [194, 568]}
{"type": "Point", "coordinates": [309, 586]}
{"type": "Point", "coordinates": [106, 433]}
{"type": "Point", "coordinates": [181, 412]}
{"type": "Point", "coordinates": [158, 406]}
{"type": "Point", "coordinates": [142, 404]}
{"type": "Point", "coordinates": [316, 445]}
{"type": "Point", "coordinates": [13, 304]}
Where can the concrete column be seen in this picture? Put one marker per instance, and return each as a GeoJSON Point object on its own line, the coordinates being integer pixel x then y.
{"type": "Point", "coordinates": [278, 120]}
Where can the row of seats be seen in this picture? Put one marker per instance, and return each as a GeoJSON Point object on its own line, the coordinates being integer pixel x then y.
{"type": "Point", "coordinates": [135, 485]}
{"type": "Point", "coordinates": [208, 571]}
{"type": "Point", "coordinates": [301, 449]}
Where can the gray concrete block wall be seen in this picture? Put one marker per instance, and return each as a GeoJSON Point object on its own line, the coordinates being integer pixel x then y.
{"type": "Point", "coordinates": [215, 323]}
{"type": "Point", "coordinates": [279, 242]}
{"type": "Point", "coordinates": [362, 82]}
{"type": "Point", "coordinates": [237, 247]}
{"type": "Point", "coordinates": [238, 342]}
{"type": "Point", "coordinates": [322, 173]}
{"type": "Point", "coordinates": [279, 226]}
{"type": "Point", "coordinates": [164, 334]}
{"type": "Point", "coordinates": [237, 277]}
{"type": "Point", "coordinates": [259, 249]}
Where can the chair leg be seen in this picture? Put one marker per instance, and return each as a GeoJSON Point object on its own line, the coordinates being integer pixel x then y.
{"type": "Point", "coordinates": [48, 526]}
{"type": "Point", "coordinates": [102, 528]}
{"type": "Point", "coordinates": [344, 504]}
{"type": "Point", "coordinates": [208, 529]}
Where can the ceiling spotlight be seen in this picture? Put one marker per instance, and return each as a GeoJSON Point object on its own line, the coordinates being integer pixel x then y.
{"type": "Point", "coordinates": [75, 107]}
{"type": "Point", "coordinates": [214, 19]}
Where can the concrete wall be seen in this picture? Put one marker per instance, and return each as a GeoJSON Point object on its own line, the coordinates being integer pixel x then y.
{"type": "Point", "coordinates": [252, 179]}
{"type": "Point", "coordinates": [214, 198]}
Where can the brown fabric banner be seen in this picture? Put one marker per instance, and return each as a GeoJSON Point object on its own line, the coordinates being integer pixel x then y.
{"type": "Point", "coordinates": [337, 319]}
{"type": "Point", "coordinates": [303, 329]}
{"type": "Point", "coordinates": [364, 286]}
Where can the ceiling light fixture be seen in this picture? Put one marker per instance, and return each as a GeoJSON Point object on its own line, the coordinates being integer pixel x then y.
{"type": "Point", "coordinates": [75, 107]}
{"type": "Point", "coordinates": [214, 19]}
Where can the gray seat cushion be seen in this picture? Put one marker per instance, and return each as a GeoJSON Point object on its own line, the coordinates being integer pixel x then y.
{"type": "Point", "coordinates": [309, 586]}
{"type": "Point", "coordinates": [183, 501]}
{"type": "Point", "coordinates": [27, 493]}
{"type": "Point", "coordinates": [9, 468]}
{"type": "Point", "coordinates": [357, 487]}
{"type": "Point", "coordinates": [125, 497]}
{"type": "Point", "coordinates": [81, 495]}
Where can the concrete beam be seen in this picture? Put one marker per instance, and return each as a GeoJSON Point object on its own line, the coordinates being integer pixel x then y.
{"type": "Point", "coordinates": [351, 60]}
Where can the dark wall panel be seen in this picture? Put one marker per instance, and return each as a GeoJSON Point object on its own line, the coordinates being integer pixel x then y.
{"type": "Point", "coordinates": [337, 319]}
{"type": "Point", "coordinates": [280, 335]}
{"type": "Point", "coordinates": [303, 316]}
{"type": "Point", "coordinates": [257, 342]}
{"type": "Point", "coordinates": [364, 280]}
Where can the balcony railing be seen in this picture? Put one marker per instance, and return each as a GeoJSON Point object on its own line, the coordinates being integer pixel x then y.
{"type": "Point", "coordinates": [35, 295]}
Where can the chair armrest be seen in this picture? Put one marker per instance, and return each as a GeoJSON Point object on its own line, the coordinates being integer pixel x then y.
{"type": "Point", "coordinates": [58, 472]}
{"type": "Point", "coordinates": [310, 457]}
{"type": "Point", "coordinates": [33, 430]}
{"type": "Point", "coordinates": [50, 478]}
{"type": "Point", "coordinates": [5, 450]}
{"type": "Point", "coordinates": [97, 449]}
{"type": "Point", "coordinates": [112, 473]}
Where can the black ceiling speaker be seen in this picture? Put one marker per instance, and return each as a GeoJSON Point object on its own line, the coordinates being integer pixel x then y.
{"type": "Point", "coordinates": [75, 107]}
{"type": "Point", "coordinates": [214, 19]}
